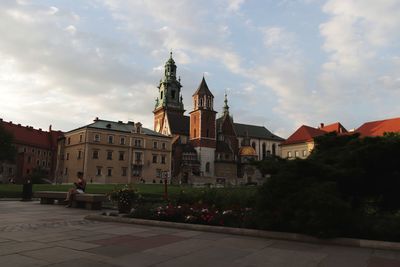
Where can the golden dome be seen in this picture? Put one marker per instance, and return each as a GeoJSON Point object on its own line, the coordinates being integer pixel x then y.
{"type": "Point", "coordinates": [247, 151]}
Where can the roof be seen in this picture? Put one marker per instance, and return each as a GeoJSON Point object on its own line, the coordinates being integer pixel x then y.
{"type": "Point", "coordinates": [378, 128]}
{"type": "Point", "coordinates": [303, 134]}
{"type": "Point", "coordinates": [334, 127]}
{"type": "Point", "coordinates": [27, 135]}
{"type": "Point", "coordinates": [223, 147]}
{"type": "Point", "coordinates": [203, 89]}
{"type": "Point", "coordinates": [118, 126]}
{"type": "Point", "coordinates": [254, 131]}
{"type": "Point", "coordinates": [247, 151]}
{"type": "Point", "coordinates": [178, 123]}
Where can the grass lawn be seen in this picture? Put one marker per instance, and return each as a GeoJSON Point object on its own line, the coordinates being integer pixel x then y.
{"type": "Point", "coordinates": [154, 190]}
{"type": "Point", "coordinates": [13, 190]}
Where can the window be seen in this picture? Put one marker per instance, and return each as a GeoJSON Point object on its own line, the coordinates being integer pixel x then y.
{"type": "Point", "coordinates": [98, 171]}
{"type": "Point", "coordinates": [10, 171]}
{"type": "Point", "coordinates": [24, 149]}
{"type": "Point", "coordinates": [124, 171]}
{"type": "Point", "coordinates": [69, 140]}
{"type": "Point", "coordinates": [43, 163]}
{"type": "Point", "coordinates": [29, 159]}
{"type": "Point", "coordinates": [158, 173]}
{"type": "Point", "coordinates": [49, 154]}
{"type": "Point", "coordinates": [253, 145]}
{"type": "Point", "coordinates": [109, 155]}
{"type": "Point", "coordinates": [97, 138]}
{"type": "Point", "coordinates": [195, 104]}
{"type": "Point", "coordinates": [162, 95]}
{"type": "Point", "coordinates": [121, 155]}
{"type": "Point", "coordinates": [201, 102]}
{"type": "Point", "coordinates": [122, 141]}
{"type": "Point", "coordinates": [155, 145]}
{"type": "Point", "coordinates": [163, 145]}
{"type": "Point", "coordinates": [66, 171]}
{"type": "Point", "coordinates": [110, 139]}
{"type": "Point", "coordinates": [109, 172]}
{"type": "Point", "coordinates": [194, 133]}
{"type": "Point", "coordinates": [296, 154]}
{"type": "Point", "coordinates": [273, 149]}
{"type": "Point", "coordinates": [173, 94]}
{"type": "Point", "coordinates": [138, 156]}
{"type": "Point", "coordinates": [138, 129]}
{"type": "Point", "coordinates": [304, 153]}
{"type": "Point", "coordinates": [162, 159]}
{"type": "Point", "coordinates": [154, 158]}
{"type": "Point", "coordinates": [138, 143]}
{"type": "Point", "coordinates": [44, 153]}
{"type": "Point", "coordinates": [264, 150]}
{"type": "Point", "coordinates": [79, 154]}
{"type": "Point", "coordinates": [95, 154]}
{"type": "Point", "coordinates": [67, 156]}
{"type": "Point", "coordinates": [208, 167]}
{"type": "Point", "coordinates": [80, 138]}
{"type": "Point", "coordinates": [38, 152]}
{"type": "Point", "coordinates": [33, 150]}
{"type": "Point", "coordinates": [207, 133]}
{"type": "Point", "coordinates": [289, 154]}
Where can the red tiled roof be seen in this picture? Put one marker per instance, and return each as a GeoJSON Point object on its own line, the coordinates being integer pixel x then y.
{"type": "Point", "coordinates": [378, 128]}
{"type": "Point", "coordinates": [26, 135]}
{"type": "Point", "coordinates": [303, 134]}
{"type": "Point", "coordinates": [334, 127]}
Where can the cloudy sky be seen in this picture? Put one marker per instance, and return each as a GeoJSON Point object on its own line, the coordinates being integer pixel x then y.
{"type": "Point", "coordinates": [283, 63]}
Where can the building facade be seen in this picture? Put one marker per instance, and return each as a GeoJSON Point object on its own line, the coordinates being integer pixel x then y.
{"type": "Point", "coordinates": [36, 153]}
{"type": "Point", "coordinates": [114, 152]}
{"type": "Point", "coordinates": [206, 148]}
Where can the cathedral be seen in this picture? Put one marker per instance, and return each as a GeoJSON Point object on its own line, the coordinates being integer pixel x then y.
{"type": "Point", "coordinates": [208, 149]}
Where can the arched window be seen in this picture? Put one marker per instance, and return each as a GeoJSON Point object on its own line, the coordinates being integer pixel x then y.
{"type": "Point", "coordinates": [208, 167]}
{"type": "Point", "coordinates": [207, 133]}
{"type": "Point", "coordinates": [161, 95]}
{"type": "Point", "coordinates": [264, 151]}
{"type": "Point", "coordinates": [195, 104]}
{"type": "Point", "coordinates": [201, 102]}
{"type": "Point", "coordinates": [253, 145]}
{"type": "Point", "coordinates": [273, 149]}
{"type": "Point", "coordinates": [194, 133]}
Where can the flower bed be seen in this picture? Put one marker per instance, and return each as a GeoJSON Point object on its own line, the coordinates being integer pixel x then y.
{"type": "Point", "coordinates": [196, 214]}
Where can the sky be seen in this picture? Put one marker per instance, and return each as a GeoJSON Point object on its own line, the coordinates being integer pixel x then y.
{"type": "Point", "coordinates": [282, 63]}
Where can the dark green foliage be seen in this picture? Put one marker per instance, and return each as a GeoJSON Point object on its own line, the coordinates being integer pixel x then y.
{"type": "Point", "coordinates": [347, 187]}
{"type": "Point", "coordinates": [38, 175]}
{"type": "Point", "coordinates": [7, 150]}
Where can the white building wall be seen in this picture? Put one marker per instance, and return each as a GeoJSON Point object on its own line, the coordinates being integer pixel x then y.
{"type": "Point", "coordinates": [205, 155]}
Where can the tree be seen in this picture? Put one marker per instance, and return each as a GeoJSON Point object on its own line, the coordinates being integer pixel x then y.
{"type": "Point", "coordinates": [7, 149]}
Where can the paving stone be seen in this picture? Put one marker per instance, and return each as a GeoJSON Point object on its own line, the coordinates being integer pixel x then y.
{"type": "Point", "coordinates": [16, 260]}
{"type": "Point", "coordinates": [187, 233]}
{"type": "Point", "coordinates": [73, 244]}
{"type": "Point", "coordinates": [82, 262]}
{"type": "Point", "coordinates": [245, 243]}
{"type": "Point", "coordinates": [214, 256]}
{"type": "Point", "coordinates": [120, 239]}
{"type": "Point", "coordinates": [181, 248]}
{"type": "Point", "coordinates": [382, 262]}
{"type": "Point", "coordinates": [94, 237]}
{"type": "Point", "coordinates": [56, 254]}
{"type": "Point", "coordinates": [20, 247]}
{"type": "Point", "coordinates": [122, 230]}
{"type": "Point", "coordinates": [280, 257]}
{"type": "Point", "coordinates": [111, 250]}
{"type": "Point", "coordinates": [139, 259]}
{"type": "Point", "coordinates": [345, 256]}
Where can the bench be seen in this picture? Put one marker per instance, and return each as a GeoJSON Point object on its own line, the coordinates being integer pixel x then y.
{"type": "Point", "coordinates": [87, 201]}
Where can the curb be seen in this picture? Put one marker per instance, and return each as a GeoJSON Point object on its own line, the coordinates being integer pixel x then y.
{"type": "Point", "coordinates": [352, 242]}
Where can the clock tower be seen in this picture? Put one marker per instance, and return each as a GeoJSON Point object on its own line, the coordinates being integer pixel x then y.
{"type": "Point", "coordinates": [169, 100]}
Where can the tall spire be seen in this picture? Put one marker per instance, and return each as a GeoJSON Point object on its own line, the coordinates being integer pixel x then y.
{"type": "Point", "coordinates": [226, 107]}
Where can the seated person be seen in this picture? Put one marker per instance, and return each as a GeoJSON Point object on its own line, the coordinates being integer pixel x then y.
{"type": "Point", "coordinates": [79, 188]}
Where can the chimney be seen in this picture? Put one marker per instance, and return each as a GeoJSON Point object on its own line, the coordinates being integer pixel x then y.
{"type": "Point", "coordinates": [322, 125]}
{"type": "Point", "coordinates": [19, 125]}
{"type": "Point", "coordinates": [96, 119]}
{"type": "Point", "coordinates": [40, 129]}
{"type": "Point", "coordinates": [1, 119]}
{"type": "Point", "coordinates": [50, 128]}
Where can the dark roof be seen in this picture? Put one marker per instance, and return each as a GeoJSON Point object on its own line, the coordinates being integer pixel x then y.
{"type": "Point", "coordinates": [117, 126]}
{"type": "Point", "coordinates": [178, 123]}
{"type": "Point", "coordinates": [378, 128]}
{"type": "Point", "coordinates": [203, 89]}
{"type": "Point", "coordinates": [255, 132]}
{"type": "Point", "coordinates": [223, 147]}
{"type": "Point", "coordinates": [303, 134]}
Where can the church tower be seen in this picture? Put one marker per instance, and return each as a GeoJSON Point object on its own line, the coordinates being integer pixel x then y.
{"type": "Point", "coordinates": [203, 128]}
{"type": "Point", "coordinates": [169, 98]}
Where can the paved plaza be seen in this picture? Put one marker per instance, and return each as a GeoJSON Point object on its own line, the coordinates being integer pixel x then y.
{"type": "Point", "coordinates": [49, 235]}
